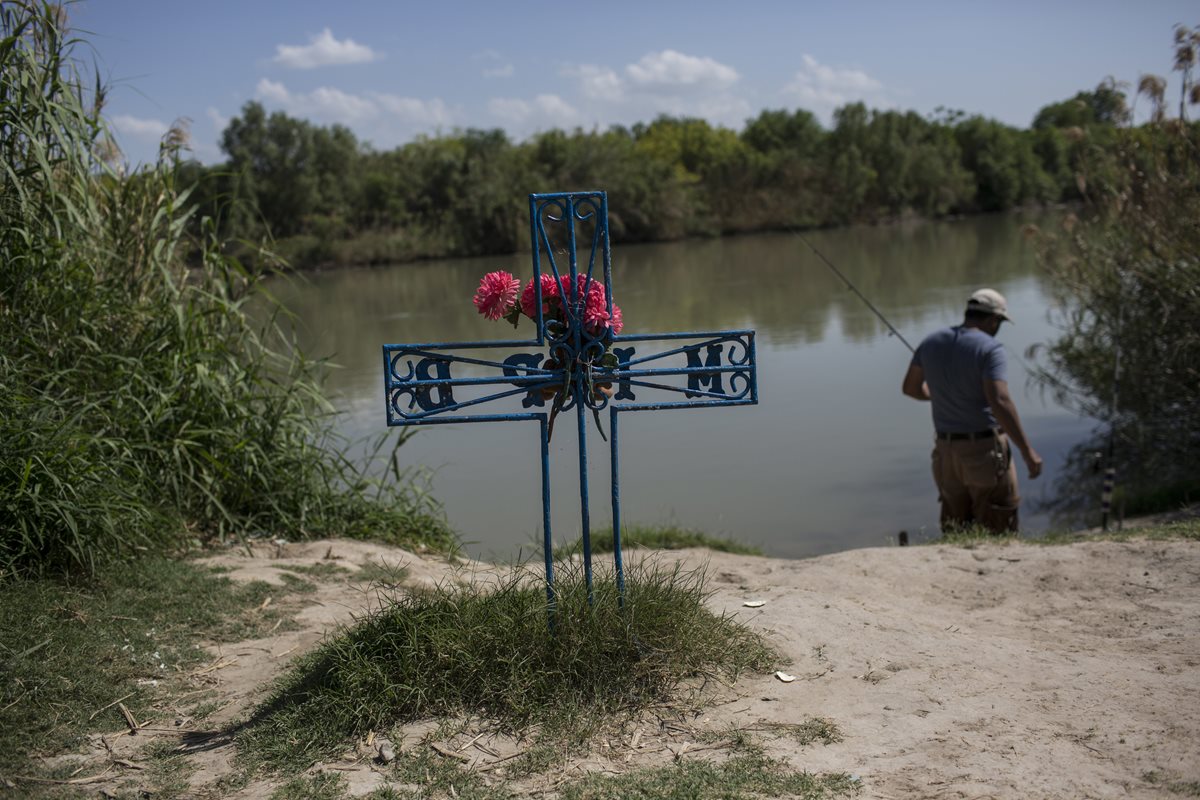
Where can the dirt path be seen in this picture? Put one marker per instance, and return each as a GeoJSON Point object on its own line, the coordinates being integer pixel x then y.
{"type": "Point", "coordinates": [1005, 671]}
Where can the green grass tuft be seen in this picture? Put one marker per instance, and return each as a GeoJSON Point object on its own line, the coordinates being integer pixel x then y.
{"type": "Point", "coordinates": [321, 786]}
{"type": "Point", "coordinates": [381, 573]}
{"type": "Point", "coordinates": [658, 537]}
{"type": "Point", "coordinates": [744, 777]}
{"type": "Point", "coordinates": [486, 650]}
{"type": "Point", "coordinates": [1180, 529]}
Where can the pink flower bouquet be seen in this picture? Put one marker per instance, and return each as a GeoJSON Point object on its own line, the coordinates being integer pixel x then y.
{"type": "Point", "coordinates": [497, 297]}
{"type": "Point", "coordinates": [500, 296]}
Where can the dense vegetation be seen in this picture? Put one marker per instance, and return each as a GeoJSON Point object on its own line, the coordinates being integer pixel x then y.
{"type": "Point", "coordinates": [327, 198]}
{"type": "Point", "coordinates": [140, 406]}
{"type": "Point", "coordinates": [1127, 275]}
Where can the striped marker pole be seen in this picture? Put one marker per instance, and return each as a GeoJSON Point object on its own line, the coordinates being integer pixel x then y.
{"type": "Point", "coordinates": [1110, 475]}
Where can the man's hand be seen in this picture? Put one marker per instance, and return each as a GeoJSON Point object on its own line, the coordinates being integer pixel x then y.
{"type": "Point", "coordinates": [1005, 410]}
{"type": "Point", "coordinates": [1034, 462]}
{"type": "Point", "coordinates": [914, 383]}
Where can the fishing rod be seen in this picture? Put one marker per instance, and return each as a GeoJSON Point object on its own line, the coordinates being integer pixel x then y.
{"type": "Point", "coordinates": [903, 536]}
{"type": "Point", "coordinates": [854, 289]}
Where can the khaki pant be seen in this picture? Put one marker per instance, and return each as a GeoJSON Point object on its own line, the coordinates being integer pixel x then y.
{"type": "Point", "coordinates": [977, 483]}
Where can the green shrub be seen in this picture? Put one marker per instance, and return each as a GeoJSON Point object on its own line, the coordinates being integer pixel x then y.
{"type": "Point", "coordinates": [140, 406]}
{"type": "Point", "coordinates": [1125, 279]}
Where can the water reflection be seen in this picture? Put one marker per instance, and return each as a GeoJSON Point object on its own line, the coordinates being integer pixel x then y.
{"type": "Point", "coordinates": [834, 457]}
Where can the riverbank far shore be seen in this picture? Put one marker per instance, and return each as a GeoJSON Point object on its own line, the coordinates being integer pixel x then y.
{"type": "Point", "coordinates": [1010, 670]}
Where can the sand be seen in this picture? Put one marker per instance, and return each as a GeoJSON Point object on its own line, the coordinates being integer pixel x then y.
{"type": "Point", "coordinates": [1002, 671]}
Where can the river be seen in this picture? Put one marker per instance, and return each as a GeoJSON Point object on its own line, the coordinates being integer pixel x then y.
{"type": "Point", "coordinates": [832, 458]}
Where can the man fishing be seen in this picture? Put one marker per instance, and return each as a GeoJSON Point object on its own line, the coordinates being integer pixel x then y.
{"type": "Point", "coordinates": [962, 371]}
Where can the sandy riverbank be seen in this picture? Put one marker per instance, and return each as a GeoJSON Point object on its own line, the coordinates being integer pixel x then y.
{"type": "Point", "coordinates": [1001, 671]}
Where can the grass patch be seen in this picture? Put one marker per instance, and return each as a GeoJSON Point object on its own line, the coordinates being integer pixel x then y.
{"type": "Point", "coordinates": [323, 571]}
{"type": "Point", "coordinates": [381, 573]}
{"type": "Point", "coordinates": [1181, 529]}
{"type": "Point", "coordinates": [321, 786]}
{"type": "Point", "coordinates": [658, 537]}
{"type": "Point", "coordinates": [1188, 529]}
{"type": "Point", "coordinates": [1182, 788]}
{"type": "Point", "coordinates": [486, 650]}
{"type": "Point", "coordinates": [972, 536]}
{"type": "Point", "coordinates": [744, 777]}
{"type": "Point", "coordinates": [68, 650]}
{"type": "Point", "coordinates": [438, 777]}
{"type": "Point", "coordinates": [812, 730]}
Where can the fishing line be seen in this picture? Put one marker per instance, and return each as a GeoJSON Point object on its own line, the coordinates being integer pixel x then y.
{"type": "Point", "coordinates": [854, 289]}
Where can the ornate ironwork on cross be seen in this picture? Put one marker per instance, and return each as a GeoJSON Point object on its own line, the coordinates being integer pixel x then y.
{"type": "Point", "coordinates": [580, 363]}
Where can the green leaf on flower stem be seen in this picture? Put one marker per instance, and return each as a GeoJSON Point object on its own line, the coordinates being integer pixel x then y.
{"type": "Point", "coordinates": [596, 414]}
{"type": "Point", "coordinates": [514, 316]}
{"type": "Point", "coordinates": [609, 361]}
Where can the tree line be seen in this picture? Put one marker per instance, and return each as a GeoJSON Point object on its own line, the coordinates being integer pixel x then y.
{"type": "Point", "coordinates": [326, 198]}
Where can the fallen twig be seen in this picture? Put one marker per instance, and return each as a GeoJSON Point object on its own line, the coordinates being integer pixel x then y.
{"type": "Point", "coordinates": [220, 663]}
{"type": "Point", "coordinates": [68, 781]}
{"type": "Point", "coordinates": [478, 736]}
{"type": "Point", "coordinates": [110, 705]}
{"type": "Point", "coordinates": [14, 702]}
{"type": "Point", "coordinates": [446, 751]}
{"type": "Point", "coordinates": [499, 761]}
{"type": "Point", "coordinates": [129, 720]}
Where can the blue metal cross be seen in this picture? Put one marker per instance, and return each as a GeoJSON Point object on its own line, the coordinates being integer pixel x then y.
{"type": "Point", "coordinates": [584, 363]}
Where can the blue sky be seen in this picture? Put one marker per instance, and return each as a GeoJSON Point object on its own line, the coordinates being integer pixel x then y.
{"type": "Point", "coordinates": [394, 70]}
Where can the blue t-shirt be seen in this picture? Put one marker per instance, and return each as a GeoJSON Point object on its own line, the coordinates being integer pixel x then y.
{"type": "Point", "coordinates": [955, 362]}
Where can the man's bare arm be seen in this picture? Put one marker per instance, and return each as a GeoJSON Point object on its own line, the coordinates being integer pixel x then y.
{"type": "Point", "coordinates": [914, 383]}
{"type": "Point", "coordinates": [1005, 409]}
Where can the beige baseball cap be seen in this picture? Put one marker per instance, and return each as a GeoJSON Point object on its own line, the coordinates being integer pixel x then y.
{"type": "Point", "coordinates": [989, 301]}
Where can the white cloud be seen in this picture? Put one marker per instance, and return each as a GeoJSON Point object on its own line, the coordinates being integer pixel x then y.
{"type": "Point", "coordinates": [272, 91]}
{"type": "Point", "coordinates": [664, 82]}
{"type": "Point", "coordinates": [598, 83]}
{"type": "Point", "coordinates": [505, 71]}
{"type": "Point", "coordinates": [342, 105]}
{"type": "Point", "coordinates": [510, 109]}
{"type": "Point", "coordinates": [671, 70]}
{"type": "Point", "coordinates": [219, 120]}
{"type": "Point", "coordinates": [824, 88]}
{"type": "Point", "coordinates": [324, 102]}
{"type": "Point", "coordinates": [544, 111]}
{"type": "Point", "coordinates": [323, 50]}
{"type": "Point", "coordinates": [554, 106]}
{"type": "Point", "coordinates": [329, 104]}
{"type": "Point", "coordinates": [141, 128]}
{"type": "Point", "coordinates": [411, 109]}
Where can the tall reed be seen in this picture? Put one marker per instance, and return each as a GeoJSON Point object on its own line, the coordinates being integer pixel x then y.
{"type": "Point", "coordinates": [140, 405]}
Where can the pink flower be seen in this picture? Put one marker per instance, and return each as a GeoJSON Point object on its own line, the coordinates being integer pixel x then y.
{"type": "Point", "coordinates": [595, 316]}
{"type": "Point", "coordinates": [497, 294]}
{"type": "Point", "coordinates": [616, 322]}
{"type": "Point", "coordinates": [529, 296]}
{"type": "Point", "coordinates": [557, 293]}
{"type": "Point", "coordinates": [593, 287]}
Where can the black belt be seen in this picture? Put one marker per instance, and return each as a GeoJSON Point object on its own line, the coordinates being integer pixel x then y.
{"type": "Point", "coordinates": [970, 437]}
